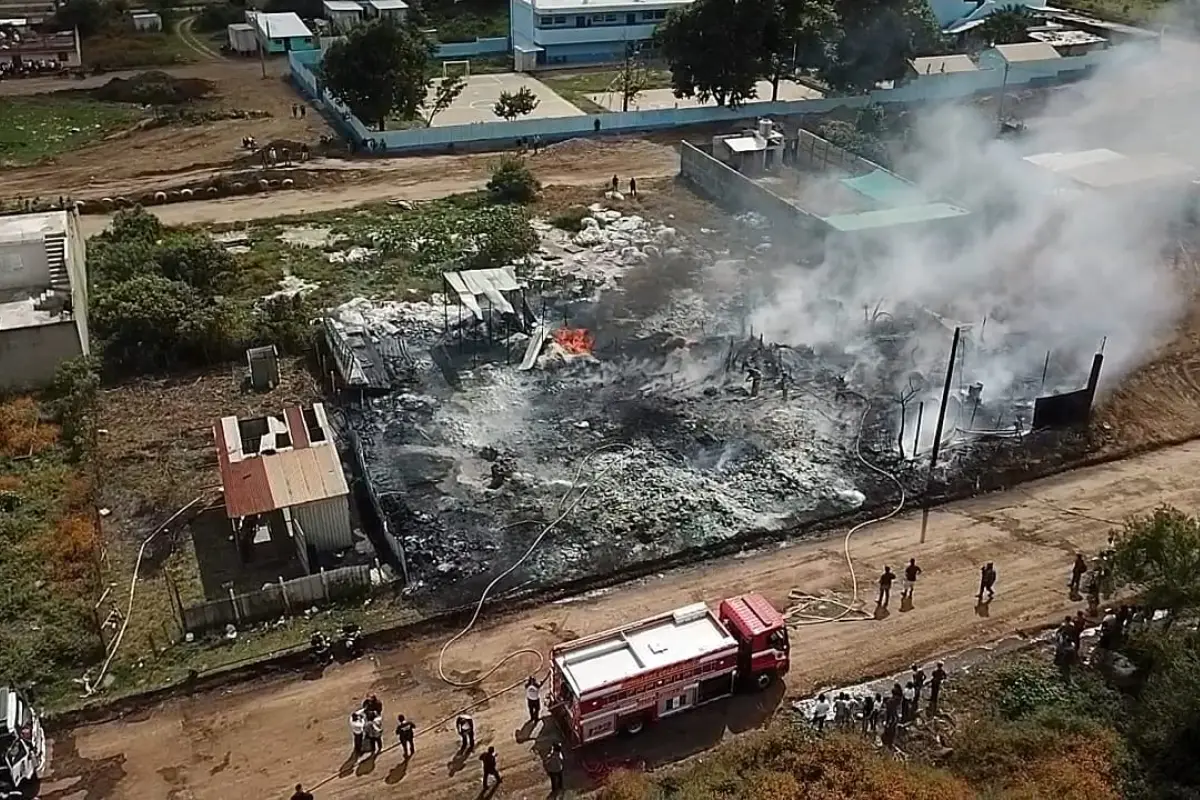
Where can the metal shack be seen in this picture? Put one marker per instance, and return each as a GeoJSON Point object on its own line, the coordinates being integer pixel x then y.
{"type": "Point", "coordinates": [284, 484]}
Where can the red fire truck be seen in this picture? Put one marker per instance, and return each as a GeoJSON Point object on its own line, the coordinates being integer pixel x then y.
{"type": "Point", "coordinates": [619, 680]}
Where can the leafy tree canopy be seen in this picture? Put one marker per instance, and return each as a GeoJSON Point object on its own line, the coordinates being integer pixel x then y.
{"type": "Point", "coordinates": [878, 39]}
{"type": "Point", "coordinates": [1007, 25]}
{"type": "Point", "coordinates": [1159, 556]}
{"type": "Point", "coordinates": [380, 69]}
{"type": "Point", "coordinates": [798, 34]}
{"type": "Point", "coordinates": [511, 105]}
{"type": "Point", "coordinates": [715, 49]}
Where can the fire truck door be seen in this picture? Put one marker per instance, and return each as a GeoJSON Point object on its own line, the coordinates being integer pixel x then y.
{"type": "Point", "coordinates": [681, 700]}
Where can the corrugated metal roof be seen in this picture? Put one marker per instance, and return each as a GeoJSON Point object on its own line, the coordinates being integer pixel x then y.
{"type": "Point", "coordinates": [470, 285]}
{"type": "Point", "coordinates": [1026, 51]}
{"type": "Point", "coordinates": [887, 217]}
{"type": "Point", "coordinates": [257, 483]}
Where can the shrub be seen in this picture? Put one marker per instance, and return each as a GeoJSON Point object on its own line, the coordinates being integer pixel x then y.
{"type": "Point", "coordinates": [570, 220]}
{"type": "Point", "coordinates": [512, 182]}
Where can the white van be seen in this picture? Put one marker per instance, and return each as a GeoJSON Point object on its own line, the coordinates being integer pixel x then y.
{"type": "Point", "coordinates": [22, 741]}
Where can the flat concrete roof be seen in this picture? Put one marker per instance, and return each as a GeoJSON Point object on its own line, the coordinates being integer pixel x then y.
{"type": "Point", "coordinates": [939, 65]}
{"type": "Point", "coordinates": [1102, 168]}
{"type": "Point", "coordinates": [387, 5]}
{"type": "Point", "coordinates": [341, 5]}
{"type": "Point", "coordinates": [889, 217]}
{"type": "Point", "coordinates": [287, 25]}
{"type": "Point", "coordinates": [17, 311]}
{"type": "Point", "coordinates": [22, 227]}
{"type": "Point", "coordinates": [1026, 51]}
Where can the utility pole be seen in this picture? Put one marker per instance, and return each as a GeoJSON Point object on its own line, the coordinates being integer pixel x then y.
{"type": "Point", "coordinates": [937, 433]}
{"type": "Point", "coordinates": [1003, 88]}
{"type": "Point", "coordinates": [262, 46]}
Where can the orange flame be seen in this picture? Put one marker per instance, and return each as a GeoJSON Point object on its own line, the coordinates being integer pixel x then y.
{"type": "Point", "coordinates": [574, 340]}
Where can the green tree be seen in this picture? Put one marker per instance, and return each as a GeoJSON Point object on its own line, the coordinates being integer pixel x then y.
{"type": "Point", "coordinates": [1006, 25]}
{"type": "Point", "coordinates": [511, 105]}
{"type": "Point", "coordinates": [1159, 557]}
{"type": "Point", "coordinates": [632, 80]}
{"type": "Point", "coordinates": [447, 91]}
{"type": "Point", "coordinates": [878, 39]}
{"type": "Point", "coordinates": [380, 69]}
{"type": "Point", "coordinates": [799, 34]}
{"type": "Point", "coordinates": [502, 234]}
{"type": "Point", "coordinates": [715, 49]}
{"type": "Point", "coordinates": [512, 182]}
{"type": "Point", "coordinates": [195, 260]}
{"type": "Point", "coordinates": [72, 396]}
{"type": "Point", "coordinates": [89, 16]}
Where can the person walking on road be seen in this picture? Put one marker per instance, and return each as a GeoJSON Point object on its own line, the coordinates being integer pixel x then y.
{"type": "Point", "coordinates": [466, 731]}
{"type": "Point", "coordinates": [554, 768]}
{"type": "Point", "coordinates": [489, 767]}
{"type": "Point", "coordinates": [987, 581]}
{"type": "Point", "coordinates": [300, 794]}
{"type": "Point", "coordinates": [911, 573]}
{"type": "Point", "coordinates": [357, 730]}
{"type": "Point", "coordinates": [406, 732]}
{"type": "Point", "coordinates": [885, 587]}
{"type": "Point", "coordinates": [533, 699]}
{"type": "Point", "coordinates": [935, 686]}
{"type": "Point", "coordinates": [1077, 569]}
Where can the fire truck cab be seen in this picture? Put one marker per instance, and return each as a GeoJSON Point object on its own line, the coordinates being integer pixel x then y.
{"type": "Point", "coordinates": [22, 742]}
{"type": "Point", "coordinates": [620, 680]}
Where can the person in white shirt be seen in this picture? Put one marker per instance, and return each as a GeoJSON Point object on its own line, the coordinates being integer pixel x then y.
{"type": "Point", "coordinates": [533, 697]}
{"type": "Point", "coordinates": [357, 727]}
{"type": "Point", "coordinates": [821, 712]}
{"type": "Point", "coordinates": [374, 733]}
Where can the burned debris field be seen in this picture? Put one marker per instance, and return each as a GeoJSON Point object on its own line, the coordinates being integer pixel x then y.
{"type": "Point", "coordinates": [611, 403]}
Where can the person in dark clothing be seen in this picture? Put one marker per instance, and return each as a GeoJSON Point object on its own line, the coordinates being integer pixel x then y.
{"type": "Point", "coordinates": [633, 187]}
{"type": "Point", "coordinates": [911, 573]}
{"type": "Point", "coordinates": [987, 581]}
{"type": "Point", "coordinates": [373, 704]}
{"type": "Point", "coordinates": [868, 709]}
{"type": "Point", "coordinates": [1077, 569]}
{"type": "Point", "coordinates": [935, 686]}
{"type": "Point", "coordinates": [891, 708]}
{"type": "Point", "coordinates": [303, 111]}
{"type": "Point", "coordinates": [406, 732]}
{"type": "Point", "coordinates": [554, 768]}
{"type": "Point", "coordinates": [1124, 615]}
{"type": "Point", "coordinates": [489, 767]}
{"type": "Point", "coordinates": [918, 682]}
{"type": "Point", "coordinates": [300, 794]}
{"type": "Point", "coordinates": [885, 587]}
{"type": "Point", "coordinates": [596, 124]}
{"type": "Point", "coordinates": [615, 184]}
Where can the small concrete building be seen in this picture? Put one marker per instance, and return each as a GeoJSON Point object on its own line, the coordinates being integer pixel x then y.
{"type": "Point", "coordinates": [25, 46]}
{"type": "Point", "coordinates": [284, 487]}
{"type": "Point", "coordinates": [282, 33]}
{"type": "Point", "coordinates": [43, 297]}
{"type": "Point", "coordinates": [342, 14]}
{"type": "Point", "coordinates": [395, 9]}
{"type": "Point", "coordinates": [940, 65]}
{"type": "Point", "coordinates": [242, 38]}
{"type": "Point", "coordinates": [147, 22]}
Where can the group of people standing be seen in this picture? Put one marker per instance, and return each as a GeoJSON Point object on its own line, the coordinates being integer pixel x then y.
{"type": "Point", "coordinates": [987, 583]}
{"type": "Point", "coordinates": [869, 712]}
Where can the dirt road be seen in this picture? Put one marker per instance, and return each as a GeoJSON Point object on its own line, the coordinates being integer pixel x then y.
{"type": "Point", "coordinates": [574, 163]}
{"type": "Point", "coordinates": [255, 740]}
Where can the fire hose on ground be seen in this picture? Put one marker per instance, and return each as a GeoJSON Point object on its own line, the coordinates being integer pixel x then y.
{"type": "Point", "coordinates": [566, 505]}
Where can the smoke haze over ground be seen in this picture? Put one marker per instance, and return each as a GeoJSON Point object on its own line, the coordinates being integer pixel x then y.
{"type": "Point", "coordinates": [1050, 267]}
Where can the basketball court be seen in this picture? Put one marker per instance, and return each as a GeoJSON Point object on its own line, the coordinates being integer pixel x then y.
{"type": "Point", "coordinates": [482, 91]}
{"type": "Point", "coordinates": [653, 99]}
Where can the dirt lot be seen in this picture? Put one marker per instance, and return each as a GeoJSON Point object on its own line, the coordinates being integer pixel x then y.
{"type": "Point", "coordinates": [254, 740]}
{"type": "Point", "coordinates": [108, 166]}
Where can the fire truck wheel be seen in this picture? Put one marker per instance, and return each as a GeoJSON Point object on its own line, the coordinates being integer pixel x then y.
{"type": "Point", "coordinates": [634, 726]}
{"type": "Point", "coordinates": [764, 680]}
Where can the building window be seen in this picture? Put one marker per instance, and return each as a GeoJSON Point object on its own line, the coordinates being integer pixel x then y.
{"type": "Point", "coordinates": [660, 15]}
{"type": "Point", "coordinates": [547, 20]}
{"type": "Point", "coordinates": [610, 17]}
{"type": "Point", "coordinates": [560, 20]}
{"type": "Point", "coordinates": [647, 15]}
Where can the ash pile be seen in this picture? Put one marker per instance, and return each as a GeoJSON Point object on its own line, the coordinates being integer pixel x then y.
{"type": "Point", "coordinates": [608, 397]}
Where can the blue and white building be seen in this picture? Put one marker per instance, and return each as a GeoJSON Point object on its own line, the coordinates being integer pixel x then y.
{"type": "Point", "coordinates": [549, 32]}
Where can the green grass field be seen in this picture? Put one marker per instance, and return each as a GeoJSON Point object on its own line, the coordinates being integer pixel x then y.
{"type": "Point", "coordinates": [33, 128]}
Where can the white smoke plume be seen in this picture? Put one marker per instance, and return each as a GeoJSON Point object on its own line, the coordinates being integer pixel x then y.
{"type": "Point", "coordinates": [1051, 268]}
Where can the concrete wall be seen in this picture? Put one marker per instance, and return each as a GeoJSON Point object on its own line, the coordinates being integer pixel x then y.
{"type": "Point", "coordinates": [29, 357]}
{"type": "Point", "coordinates": [23, 264]}
{"type": "Point", "coordinates": [76, 255]}
{"type": "Point", "coordinates": [735, 191]}
{"type": "Point", "coordinates": [480, 47]}
{"type": "Point", "coordinates": [926, 88]}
